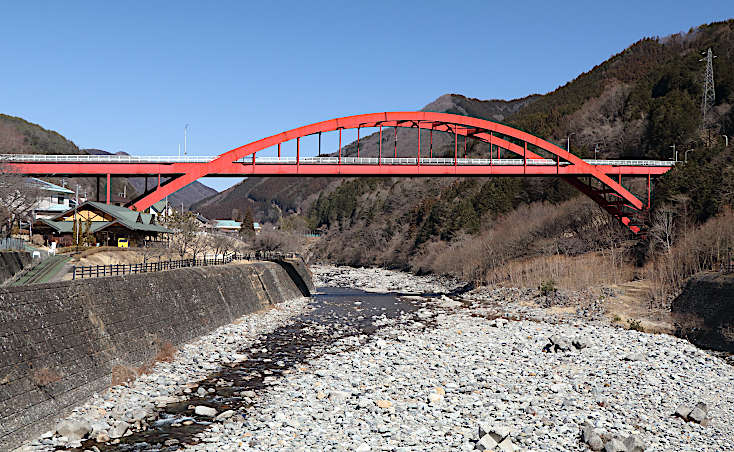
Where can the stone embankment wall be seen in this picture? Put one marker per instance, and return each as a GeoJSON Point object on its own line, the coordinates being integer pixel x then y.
{"type": "Point", "coordinates": [11, 262]}
{"type": "Point", "coordinates": [704, 311]}
{"type": "Point", "coordinates": [300, 274]}
{"type": "Point", "coordinates": [62, 342]}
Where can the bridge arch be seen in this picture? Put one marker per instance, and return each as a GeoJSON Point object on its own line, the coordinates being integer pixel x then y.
{"type": "Point", "coordinates": [494, 133]}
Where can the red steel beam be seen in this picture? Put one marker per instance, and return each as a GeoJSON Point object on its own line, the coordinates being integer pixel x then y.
{"type": "Point", "coordinates": [245, 169]}
{"type": "Point", "coordinates": [484, 130]}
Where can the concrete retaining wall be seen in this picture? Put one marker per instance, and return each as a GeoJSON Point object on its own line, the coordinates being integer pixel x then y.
{"type": "Point", "coordinates": [11, 262]}
{"type": "Point", "coordinates": [299, 273]}
{"type": "Point", "coordinates": [60, 342]}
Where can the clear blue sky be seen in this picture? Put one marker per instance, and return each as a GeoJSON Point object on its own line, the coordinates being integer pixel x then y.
{"type": "Point", "coordinates": [126, 76]}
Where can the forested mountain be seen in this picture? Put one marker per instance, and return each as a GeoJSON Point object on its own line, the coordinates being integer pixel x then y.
{"type": "Point", "coordinates": [637, 103]}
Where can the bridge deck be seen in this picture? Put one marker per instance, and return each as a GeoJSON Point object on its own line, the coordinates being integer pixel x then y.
{"type": "Point", "coordinates": [273, 166]}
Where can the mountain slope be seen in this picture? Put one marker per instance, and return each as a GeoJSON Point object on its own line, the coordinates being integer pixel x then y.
{"type": "Point", "coordinates": [188, 195]}
{"type": "Point", "coordinates": [18, 136]}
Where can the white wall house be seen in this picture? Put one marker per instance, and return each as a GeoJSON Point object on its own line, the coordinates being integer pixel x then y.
{"type": "Point", "coordinates": [52, 200]}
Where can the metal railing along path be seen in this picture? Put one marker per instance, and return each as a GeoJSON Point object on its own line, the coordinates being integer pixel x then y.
{"type": "Point", "coordinates": [96, 271]}
{"type": "Point", "coordinates": [72, 158]}
{"type": "Point", "coordinates": [265, 160]}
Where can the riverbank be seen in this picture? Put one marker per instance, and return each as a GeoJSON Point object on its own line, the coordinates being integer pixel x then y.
{"type": "Point", "coordinates": [417, 364]}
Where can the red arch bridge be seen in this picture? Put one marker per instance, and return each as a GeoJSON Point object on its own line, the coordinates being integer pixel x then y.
{"type": "Point", "coordinates": [601, 180]}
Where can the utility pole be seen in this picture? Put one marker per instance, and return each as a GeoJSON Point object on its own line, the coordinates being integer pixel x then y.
{"type": "Point", "coordinates": [76, 218]}
{"type": "Point", "coordinates": [186, 130]}
{"type": "Point", "coordinates": [709, 94]}
{"type": "Point", "coordinates": [675, 154]}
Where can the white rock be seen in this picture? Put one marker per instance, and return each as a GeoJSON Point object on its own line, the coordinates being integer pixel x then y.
{"type": "Point", "coordinates": [73, 430]}
{"type": "Point", "coordinates": [225, 415]}
{"type": "Point", "coordinates": [202, 410]}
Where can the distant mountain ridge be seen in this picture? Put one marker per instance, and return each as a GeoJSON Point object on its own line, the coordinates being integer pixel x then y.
{"type": "Point", "coordinates": [271, 197]}
{"type": "Point", "coordinates": [186, 196]}
{"type": "Point", "coordinates": [495, 109]}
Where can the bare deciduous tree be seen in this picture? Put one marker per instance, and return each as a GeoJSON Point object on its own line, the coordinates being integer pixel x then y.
{"type": "Point", "coordinates": [663, 227]}
{"type": "Point", "coordinates": [18, 198]}
{"type": "Point", "coordinates": [220, 243]}
{"type": "Point", "coordinates": [185, 232]}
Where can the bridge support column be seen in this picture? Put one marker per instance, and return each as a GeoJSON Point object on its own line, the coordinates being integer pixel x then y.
{"type": "Point", "coordinates": [490, 147]}
{"type": "Point", "coordinates": [419, 143]}
{"type": "Point", "coordinates": [109, 177]}
{"type": "Point", "coordinates": [396, 142]}
{"type": "Point", "coordinates": [648, 191]}
{"type": "Point", "coordinates": [357, 141]}
{"type": "Point", "coordinates": [456, 145]}
{"type": "Point", "coordinates": [431, 142]}
{"type": "Point", "coordinates": [379, 152]}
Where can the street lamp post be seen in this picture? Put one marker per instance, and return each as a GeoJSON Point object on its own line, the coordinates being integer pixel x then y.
{"type": "Point", "coordinates": [675, 154]}
{"type": "Point", "coordinates": [596, 150]}
{"type": "Point", "coordinates": [685, 155]}
{"type": "Point", "coordinates": [568, 141]}
{"type": "Point", "coordinates": [726, 140]}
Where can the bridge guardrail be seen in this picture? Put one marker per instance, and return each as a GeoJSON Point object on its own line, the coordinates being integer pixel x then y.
{"type": "Point", "coordinates": [96, 271]}
{"type": "Point", "coordinates": [266, 160]}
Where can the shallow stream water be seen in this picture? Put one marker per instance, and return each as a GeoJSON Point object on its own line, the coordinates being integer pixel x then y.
{"type": "Point", "coordinates": [332, 314]}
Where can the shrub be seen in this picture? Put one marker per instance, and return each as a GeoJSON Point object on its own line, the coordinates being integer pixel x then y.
{"type": "Point", "coordinates": [547, 288]}
{"type": "Point", "coordinates": [635, 325]}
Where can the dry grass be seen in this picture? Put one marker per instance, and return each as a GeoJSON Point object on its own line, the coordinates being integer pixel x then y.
{"type": "Point", "coordinates": [45, 377]}
{"type": "Point", "coordinates": [697, 250]}
{"type": "Point", "coordinates": [165, 353]}
{"type": "Point", "coordinates": [123, 374]}
{"type": "Point", "coordinates": [568, 272]}
{"type": "Point", "coordinates": [631, 302]}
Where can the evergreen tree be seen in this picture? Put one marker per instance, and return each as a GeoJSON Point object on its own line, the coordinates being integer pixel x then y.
{"type": "Point", "coordinates": [247, 230]}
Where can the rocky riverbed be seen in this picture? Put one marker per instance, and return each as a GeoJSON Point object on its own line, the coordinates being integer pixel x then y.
{"type": "Point", "coordinates": [397, 369]}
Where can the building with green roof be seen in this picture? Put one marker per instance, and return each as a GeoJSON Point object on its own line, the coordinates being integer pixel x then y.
{"type": "Point", "coordinates": [106, 222]}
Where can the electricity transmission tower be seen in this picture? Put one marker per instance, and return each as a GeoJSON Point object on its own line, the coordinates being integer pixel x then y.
{"type": "Point", "coordinates": [707, 104]}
